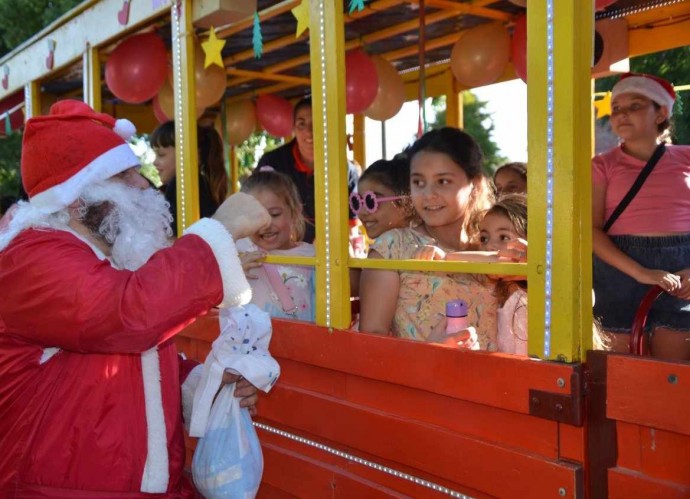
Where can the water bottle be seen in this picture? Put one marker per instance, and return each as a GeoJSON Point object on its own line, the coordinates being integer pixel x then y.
{"type": "Point", "coordinates": [457, 322]}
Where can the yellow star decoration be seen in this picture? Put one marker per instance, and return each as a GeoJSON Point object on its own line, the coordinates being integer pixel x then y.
{"type": "Point", "coordinates": [212, 48]}
{"type": "Point", "coordinates": [603, 106]}
{"type": "Point", "coordinates": [301, 13]}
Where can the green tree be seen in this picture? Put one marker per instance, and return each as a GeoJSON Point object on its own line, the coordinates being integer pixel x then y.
{"type": "Point", "coordinates": [19, 21]}
{"type": "Point", "coordinates": [246, 152]}
{"type": "Point", "coordinates": [10, 155]}
{"type": "Point", "coordinates": [477, 122]}
{"type": "Point", "coordinates": [674, 66]}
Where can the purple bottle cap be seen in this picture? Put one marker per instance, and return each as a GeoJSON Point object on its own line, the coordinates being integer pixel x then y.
{"type": "Point", "coordinates": [456, 308]}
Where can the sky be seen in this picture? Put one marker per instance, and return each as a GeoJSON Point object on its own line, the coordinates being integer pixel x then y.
{"type": "Point", "coordinates": [506, 102]}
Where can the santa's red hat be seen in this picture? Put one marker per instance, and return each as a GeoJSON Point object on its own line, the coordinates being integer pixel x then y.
{"type": "Point", "coordinates": [69, 149]}
{"type": "Point", "coordinates": [654, 88]}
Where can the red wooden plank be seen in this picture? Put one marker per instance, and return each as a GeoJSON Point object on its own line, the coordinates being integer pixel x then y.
{"type": "Point", "coordinates": [571, 442]}
{"type": "Point", "coordinates": [493, 469]}
{"type": "Point", "coordinates": [627, 484]}
{"type": "Point", "coordinates": [268, 491]}
{"type": "Point", "coordinates": [281, 445]}
{"type": "Point", "coordinates": [480, 421]}
{"type": "Point", "coordinates": [649, 392]}
{"type": "Point", "coordinates": [665, 455]}
{"type": "Point", "coordinates": [629, 445]}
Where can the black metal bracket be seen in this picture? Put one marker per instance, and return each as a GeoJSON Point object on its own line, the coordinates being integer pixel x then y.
{"type": "Point", "coordinates": [562, 407]}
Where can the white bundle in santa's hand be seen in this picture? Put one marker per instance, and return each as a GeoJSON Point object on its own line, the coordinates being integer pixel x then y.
{"type": "Point", "coordinates": [228, 460]}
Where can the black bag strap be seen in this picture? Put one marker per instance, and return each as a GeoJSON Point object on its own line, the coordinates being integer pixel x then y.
{"type": "Point", "coordinates": [637, 185]}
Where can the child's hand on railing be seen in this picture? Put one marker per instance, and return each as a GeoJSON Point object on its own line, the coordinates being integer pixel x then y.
{"type": "Point", "coordinates": [429, 252]}
{"type": "Point", "coordinates": [515, 251]}
{"type": "Point", "coordinates": [252, 260]}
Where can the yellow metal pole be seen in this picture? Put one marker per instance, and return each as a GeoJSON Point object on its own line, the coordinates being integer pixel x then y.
{"type": "Point", "coordinates": [187, 176]}
{"type": "Point", "coordinates": [454, 102]}
{"type": "Point", "coordinates": [32, 99]}
{"type": "Point", "coordinates": [559, 145]}
{"type": "Point", "coordinates": [359, 141]}
{"type": "Point", "coordinates": [327, 53]}
{"type": "Point", "coordinates": [92, 77]}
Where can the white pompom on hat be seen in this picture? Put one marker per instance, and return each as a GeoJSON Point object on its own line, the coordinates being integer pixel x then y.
{"type": "Point", "coordinates": [654, 88]}
{"type": "Point", "coordinates": [70, 148]}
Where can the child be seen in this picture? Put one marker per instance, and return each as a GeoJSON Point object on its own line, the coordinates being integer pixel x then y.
{"type": "Point", "coordinates": [649, 243]}
{"type": "Point", "coordinates": [285, 291]}
{"type": "Point", "coordinates": [383, 198]}
{"type": "Point", "coordinates": [213, 179]}
{"type": "Point", "coordinates": [511, 177]}
{"type": "Point", "coordinates": [447, 187]}
{"type": "Point", "coordinates": [502, 236]}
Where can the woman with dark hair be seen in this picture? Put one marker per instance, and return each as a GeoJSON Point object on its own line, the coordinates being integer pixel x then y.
{"type": "Point", "coordinates": [296, 160]}
{"type": "Point", "coordinates": [213, 179]}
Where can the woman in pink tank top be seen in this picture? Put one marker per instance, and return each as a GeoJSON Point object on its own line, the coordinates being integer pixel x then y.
{"type": "Point", "coordinates": [649, 243]}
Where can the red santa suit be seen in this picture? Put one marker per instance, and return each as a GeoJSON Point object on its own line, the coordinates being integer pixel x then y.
{"type": "Point", "coordinates": [81, 409]}
{"type": "Point", "coordinates": [89, 376]}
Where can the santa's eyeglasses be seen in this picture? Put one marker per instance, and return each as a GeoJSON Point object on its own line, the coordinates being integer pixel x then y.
{"type": "Point", "coordinates": [369, 201]}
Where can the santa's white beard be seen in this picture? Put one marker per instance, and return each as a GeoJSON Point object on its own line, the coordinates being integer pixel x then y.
{"type": "Point", "coordinates": [137, 223]}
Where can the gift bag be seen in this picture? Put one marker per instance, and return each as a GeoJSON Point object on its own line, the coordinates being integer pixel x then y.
{"type": "Point", "coordinates": [227, 462]}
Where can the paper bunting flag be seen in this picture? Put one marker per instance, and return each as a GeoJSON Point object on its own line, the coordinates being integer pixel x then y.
{"type": "Point", "coordinates": [356, 5]}
{"type": "Point", "coordinates": [603, 106]}
{"type": "Point", "coordinates": [257, 38]}
{"type": "Point", "coordinates": [8, 124]}
{"type": "Point", "coordinates": [301, 13]}
{"type": "Point", "coordinates": [212, 48]}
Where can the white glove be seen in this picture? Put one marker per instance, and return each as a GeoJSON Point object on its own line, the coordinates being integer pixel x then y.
{"type": "Point", "coordinates": [242, 215]}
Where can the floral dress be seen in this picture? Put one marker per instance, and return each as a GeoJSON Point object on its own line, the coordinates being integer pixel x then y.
{"type": "Point", "coordinates": [423, 295]}
{"type": "Point", "coordinates": [298, 280]}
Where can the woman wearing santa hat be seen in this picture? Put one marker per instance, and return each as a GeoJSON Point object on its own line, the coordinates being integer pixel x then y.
{"type": "Point", "coordinates": [641, 218]}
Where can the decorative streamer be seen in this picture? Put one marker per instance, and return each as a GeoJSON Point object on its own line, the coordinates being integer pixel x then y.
{"type": "Point", "coordinates": [257, 37]}
{"type": "Point", "coordinates": [356, 5]}
{"type": "Point", "coordinates": [8, 124]}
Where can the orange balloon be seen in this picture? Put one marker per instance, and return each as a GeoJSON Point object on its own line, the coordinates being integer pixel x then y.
{"type": "Point", "coordinates": [240, 121]}
{"type": "Point", "coordinates": [481, 54]}
{"type": "Point", "coordinates": [391, 92]}
{"type": "Point", "coordinates": [210, 82]}
{"type": "Point", "coordinates": [166, 101]}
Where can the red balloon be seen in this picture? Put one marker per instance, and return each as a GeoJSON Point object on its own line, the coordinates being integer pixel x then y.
{"type": "Point", "coordinates": [602, 4]}
{"type": "Point", "coordinates": [361, 81]}
{"type": "Point", "coordinates": [518, 47]}
{"type": "Point", "coordinates": [137, 68]}
{"type": "Point", "coordinates": [274, 114]}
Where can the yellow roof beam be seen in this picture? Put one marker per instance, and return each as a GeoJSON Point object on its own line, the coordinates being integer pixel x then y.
{"type": "Point", "coordinates": [264, 15]}
{"type": "Point", "coordinates": [261, 75]}
{"type": "Point", "coordinates": [470, 9]}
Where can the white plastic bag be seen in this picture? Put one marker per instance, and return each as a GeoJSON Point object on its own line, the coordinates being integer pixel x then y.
{"type": "Point", "coordinates": [228, 462]}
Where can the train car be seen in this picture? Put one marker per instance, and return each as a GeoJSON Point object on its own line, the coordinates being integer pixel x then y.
{"type": "Point", "coordinates": [362, 415]}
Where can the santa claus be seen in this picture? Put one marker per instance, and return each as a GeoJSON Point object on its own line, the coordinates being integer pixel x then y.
{"type": "Point", "coordinates": [93, 292]}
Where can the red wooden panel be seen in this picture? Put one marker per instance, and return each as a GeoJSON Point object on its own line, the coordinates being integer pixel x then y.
{"type": "Point", "coordinates": [495, 470]}
{"type": "Point", "coordinates": [665, 455]}
{"type": "Point", "coordinates": [268, 491]}
{"type": "Point", "coordinates": [626, 484]}
{"type": "Point", "coordinates": [629, 445]}
{"type": "Point", "coordinates": [473, 376]}
{"type": "Point", "coordinates": [571, 442]}
{"type": "Point", "coordinates": [649, 392]}
{"type": "Point", "coordinates": [284, 448]}
{"type": "Point", "coordinates": [476, 420]}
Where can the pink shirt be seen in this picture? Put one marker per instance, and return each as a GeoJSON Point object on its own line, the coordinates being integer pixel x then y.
{"type": "Point", "coordinates": [663, 202]}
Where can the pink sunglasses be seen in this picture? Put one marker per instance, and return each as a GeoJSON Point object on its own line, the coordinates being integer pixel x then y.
{"type": "Point", "coordinates": [369, 201]}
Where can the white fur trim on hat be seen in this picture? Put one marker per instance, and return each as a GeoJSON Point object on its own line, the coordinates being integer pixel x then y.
{"type": "Point", "coordinates": [111, 162]}
{"type": "Point", "coordinates": [236, 289]}
{"type": "Point", "coordinates": [644, 86]}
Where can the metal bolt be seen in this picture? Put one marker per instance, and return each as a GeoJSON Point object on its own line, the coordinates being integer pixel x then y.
{"type": "Point", "coordinates": [560, 382]}
{"type": "Point", "coordinates": [673, 379]}
{"type": "Point", "coordinates": [559, 407]}
{"type": "Point", "coordinates": [535, 400]}
{"type": "Point", "coordinates": [561, 491]}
